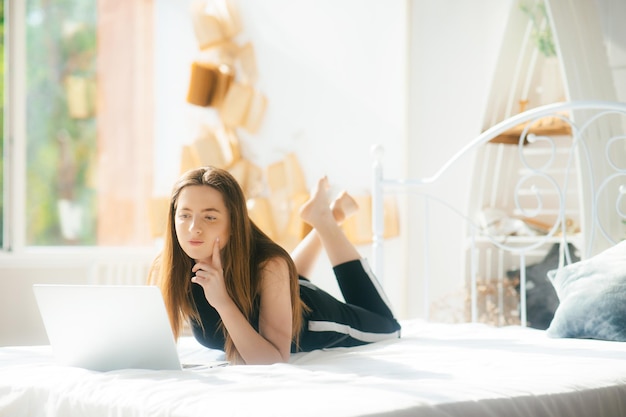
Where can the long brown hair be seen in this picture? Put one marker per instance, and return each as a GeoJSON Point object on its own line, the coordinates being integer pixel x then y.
{"type": "Point", "coordinates": [243, 258]}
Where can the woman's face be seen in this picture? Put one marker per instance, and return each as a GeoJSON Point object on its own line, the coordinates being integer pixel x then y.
{"type": "Point", "coordinates": [201, 217]}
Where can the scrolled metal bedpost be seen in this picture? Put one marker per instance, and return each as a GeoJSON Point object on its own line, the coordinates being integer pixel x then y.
{"type": "Point", "coordinates": [377, 212]}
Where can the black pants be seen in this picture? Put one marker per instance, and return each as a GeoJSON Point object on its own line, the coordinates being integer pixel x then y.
{"type": "Point", "coordinates": [364, 317]}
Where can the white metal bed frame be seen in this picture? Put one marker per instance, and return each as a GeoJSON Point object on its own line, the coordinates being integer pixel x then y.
{"type": "Point", "coordinates": [592, 123]}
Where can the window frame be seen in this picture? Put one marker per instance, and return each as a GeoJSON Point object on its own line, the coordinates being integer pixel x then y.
{"type": "Point", "coordinates": [14, 128]}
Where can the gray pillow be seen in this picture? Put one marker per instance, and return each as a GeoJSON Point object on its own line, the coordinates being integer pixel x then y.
{"type": "Point", "coordinates": [592, 297]}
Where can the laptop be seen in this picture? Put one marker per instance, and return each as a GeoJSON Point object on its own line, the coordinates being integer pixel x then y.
{"type": "Point", "coordinates": [108, 327]}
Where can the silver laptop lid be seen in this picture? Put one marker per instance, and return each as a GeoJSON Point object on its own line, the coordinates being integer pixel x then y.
{"type": "Point", "coordinates": [108, 327]}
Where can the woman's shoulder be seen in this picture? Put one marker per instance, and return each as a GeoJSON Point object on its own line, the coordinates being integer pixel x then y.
{"type": "Point", "coordinates": [276, 268]}
{"type": "Point", "coordinates": [275, 263]}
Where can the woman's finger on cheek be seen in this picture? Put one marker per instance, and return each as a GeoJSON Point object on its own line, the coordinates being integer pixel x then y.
{"type": "Point", "coordinates": [216, 260]}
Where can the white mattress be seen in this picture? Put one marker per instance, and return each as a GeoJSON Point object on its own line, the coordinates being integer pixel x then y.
{"type": "Point", "coordinates": [434, 370]}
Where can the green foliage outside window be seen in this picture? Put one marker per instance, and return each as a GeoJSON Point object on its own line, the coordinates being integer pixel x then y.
{"type": "Point", "coordinates": [542, 32]}
{"type": "Point", "coordinates": [61, 145]}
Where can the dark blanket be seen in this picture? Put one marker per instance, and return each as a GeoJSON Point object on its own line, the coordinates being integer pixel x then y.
{"type": "Point", "coordinates": [541, 298]}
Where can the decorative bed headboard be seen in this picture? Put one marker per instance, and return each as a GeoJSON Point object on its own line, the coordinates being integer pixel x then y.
{"type": "Point", "coordinates": [551, 176]}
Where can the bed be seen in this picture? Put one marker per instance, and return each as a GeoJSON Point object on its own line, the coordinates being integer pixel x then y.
{"type": "Point", "coordinates": [434, 370]}
{"type": "Point", "coordinates": [573, 368]}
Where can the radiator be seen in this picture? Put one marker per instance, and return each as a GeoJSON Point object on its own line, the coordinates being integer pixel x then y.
{"type": "Point", "coordinates": [119, 272]}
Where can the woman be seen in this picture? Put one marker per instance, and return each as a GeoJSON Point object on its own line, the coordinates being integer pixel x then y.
{"type": "Point", "coordinates": [244, 294]}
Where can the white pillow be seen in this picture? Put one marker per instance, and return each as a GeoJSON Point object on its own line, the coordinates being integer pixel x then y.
{"type": "Point", "coordinates": [592, 297]}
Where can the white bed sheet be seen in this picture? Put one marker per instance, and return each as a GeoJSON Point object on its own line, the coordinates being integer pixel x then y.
{"type": "Point", "coordinates": [434, 370]}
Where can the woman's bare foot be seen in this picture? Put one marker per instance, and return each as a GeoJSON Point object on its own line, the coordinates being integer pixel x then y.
{"type": "Point", "coordinates": [326, 233]}
{"type": "Point", "coordinates": [343, 207]}
{"type": "Point", "coordinates": [317, 207]}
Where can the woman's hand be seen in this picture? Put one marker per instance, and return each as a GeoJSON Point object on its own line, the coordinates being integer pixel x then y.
{"type": "Point", "coordinates": [210, 276]}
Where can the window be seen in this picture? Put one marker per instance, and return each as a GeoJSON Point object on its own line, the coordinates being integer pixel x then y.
{"type": "Point", "coordinates": [79, 123]}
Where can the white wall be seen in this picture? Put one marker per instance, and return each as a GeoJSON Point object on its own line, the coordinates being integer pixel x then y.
{"type": "Point", "coordinates": [334, 74]}
{"type": "Point", "coordinates": [612, 14]}
{"type": "Point", "coordinates": [454, 46]}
